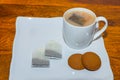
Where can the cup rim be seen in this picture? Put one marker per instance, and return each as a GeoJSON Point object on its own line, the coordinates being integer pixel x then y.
{"type": "Point", "coordinates": [82, 9]}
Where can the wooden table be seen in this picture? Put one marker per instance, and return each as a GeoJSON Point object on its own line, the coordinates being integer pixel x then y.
{"type": "Point", "coordinates": [10, 9]}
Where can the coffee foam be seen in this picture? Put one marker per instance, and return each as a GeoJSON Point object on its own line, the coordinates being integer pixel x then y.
{"type": "Point", "coordinates": [79, 18]}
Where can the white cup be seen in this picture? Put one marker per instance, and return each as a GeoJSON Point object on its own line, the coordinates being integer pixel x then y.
{"type": "Point", "coordinates": [81, 37]}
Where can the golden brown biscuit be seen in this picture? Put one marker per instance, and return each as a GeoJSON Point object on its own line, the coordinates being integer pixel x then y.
{"type": "Point", "coordinates": [75, 62]}
{"type": "Point", "coordinates": [91, 61]}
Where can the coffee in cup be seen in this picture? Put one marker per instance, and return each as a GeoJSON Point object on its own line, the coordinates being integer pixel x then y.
{"type": "Point", "coordinates": [79, 18]}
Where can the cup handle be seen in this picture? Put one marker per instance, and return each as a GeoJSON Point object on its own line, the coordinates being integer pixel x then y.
{"type": "Point", "coordinates": [98, 33]}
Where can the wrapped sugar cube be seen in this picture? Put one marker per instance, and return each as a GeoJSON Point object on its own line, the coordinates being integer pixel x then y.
{"type": "Point", "coordinates": [39, 59]}
{"type": "Point", "coordinates": [53, 50]}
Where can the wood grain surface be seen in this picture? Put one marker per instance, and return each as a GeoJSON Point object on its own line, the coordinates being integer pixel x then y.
{"type": "Point", "coordinates": [10, 9]}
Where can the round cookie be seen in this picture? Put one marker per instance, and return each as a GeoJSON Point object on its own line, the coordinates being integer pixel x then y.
{"type": "Point", "coordinates": [91, 61]}
{"type": "Point", "coordinates": [75, 62]}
